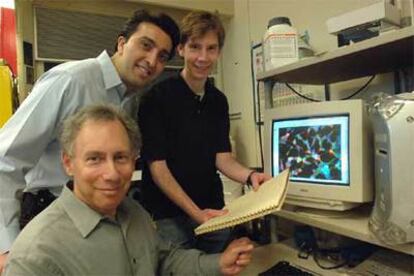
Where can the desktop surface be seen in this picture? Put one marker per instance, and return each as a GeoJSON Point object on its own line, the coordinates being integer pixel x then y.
{"type": "Point", "coordinates": [264, 257]}
{"type": "Point", "coordinates": [382, 262]}
{"type": "Point", "coordinates": [352, 223]}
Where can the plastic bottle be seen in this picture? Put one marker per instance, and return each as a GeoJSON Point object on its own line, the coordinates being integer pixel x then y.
{"type": "Point", "coordinates": [280, 43]}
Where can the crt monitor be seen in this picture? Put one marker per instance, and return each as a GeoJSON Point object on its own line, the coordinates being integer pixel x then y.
{"type": "Point", "coordinates": [328, 148]}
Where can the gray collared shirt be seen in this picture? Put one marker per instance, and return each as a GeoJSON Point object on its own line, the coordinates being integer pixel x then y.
{"type": "Point", "coordinates": [29, 149]}
{"type": "Point", "coordinates": [70, 238]}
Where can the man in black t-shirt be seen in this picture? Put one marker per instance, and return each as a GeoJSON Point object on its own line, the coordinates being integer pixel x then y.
{"type": "Point", "coordinates": [184, 122]}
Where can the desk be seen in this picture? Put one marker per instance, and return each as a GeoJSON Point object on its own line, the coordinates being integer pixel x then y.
{"type": "Point", "coordinates": [383, 262]}
{"type": "Point", "coordinates": [352, 223]}
{"type": "Point", "coordinates": [266, 256]}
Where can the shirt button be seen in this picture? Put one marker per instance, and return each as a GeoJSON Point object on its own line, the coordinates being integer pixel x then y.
{"type": "Point", "coordinates": [134, 260]}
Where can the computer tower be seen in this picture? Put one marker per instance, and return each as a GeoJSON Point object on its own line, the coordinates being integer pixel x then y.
{"type": "Point", "coordinates": [392, 218]}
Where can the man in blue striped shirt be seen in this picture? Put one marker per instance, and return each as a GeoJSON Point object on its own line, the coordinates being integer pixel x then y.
{"type": "Point", "coordinates": [29, 149]}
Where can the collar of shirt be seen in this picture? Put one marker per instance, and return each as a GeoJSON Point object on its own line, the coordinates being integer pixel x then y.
{"type": "Point", "coordinates": [110, 75]}
{"type": "Point", "coordinates": [85, 218]}
{"type": "Point", "coordinates": [199, 97]}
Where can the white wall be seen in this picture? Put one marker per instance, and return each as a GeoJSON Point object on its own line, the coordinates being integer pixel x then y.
{"type": "Point", "coordinates": [248, 25]}
{"type": "Point", "coordinates": [123, 8]}
{"type": "Point", "coordinates": [224, 7]}
{"type": "Point", "coordinates": [237, 82]}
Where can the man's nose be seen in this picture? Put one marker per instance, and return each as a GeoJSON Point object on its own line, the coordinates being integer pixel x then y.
{"type": "Point", "coordinates": [111, 171]}
{"type": "Point", "coordinates": [203, 54]}
{"type": "Point", "coordinates": [152, 58]}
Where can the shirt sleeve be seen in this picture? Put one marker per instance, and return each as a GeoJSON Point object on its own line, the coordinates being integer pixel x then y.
{"type": "Point", "coordinates": [189, 262]}
{"type": "Point", "coordinates": [151, 120]}
{"type": "Point", "coordinates": [223, 140]}
{"type": "Point", "coordinates": [31, 266]}
{"type": "Point", "coordinates": [23, 139]}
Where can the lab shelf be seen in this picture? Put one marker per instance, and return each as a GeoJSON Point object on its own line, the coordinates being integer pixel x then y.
{"type": "Point", "coordinates": [385, 53]}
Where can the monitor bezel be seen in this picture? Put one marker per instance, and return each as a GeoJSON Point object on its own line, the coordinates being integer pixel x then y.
{"type": "Point", "coordinates": [361, 158]}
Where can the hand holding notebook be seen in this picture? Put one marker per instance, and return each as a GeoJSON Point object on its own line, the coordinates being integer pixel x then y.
{"type": "Point", "coordinates": [268, 199]}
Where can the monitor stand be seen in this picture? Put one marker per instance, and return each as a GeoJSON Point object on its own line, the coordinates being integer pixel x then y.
{"type": "Point", "coordinates": [319, 213]}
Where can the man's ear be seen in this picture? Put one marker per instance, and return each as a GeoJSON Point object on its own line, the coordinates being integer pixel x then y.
{"type": "Point", "coordinates": [120, 44]}
{"type": "Point", "coordinates": [180, 50]}
{"type": "Point", "coordinates": [67, 164]}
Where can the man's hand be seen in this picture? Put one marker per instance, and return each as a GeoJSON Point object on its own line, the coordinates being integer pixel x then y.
{"type": "Point", "coordinates": [3, 258]}
{"type": "Point", "coordinates": [236, 256]}
{"type": "Point", "coordinates": [258, 178]}
{"type": "Point", "coordinates": [206, 214]}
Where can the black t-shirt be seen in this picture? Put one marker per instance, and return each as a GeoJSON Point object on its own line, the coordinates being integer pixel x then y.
{"type": "Point", "coordinates": [188, 133]}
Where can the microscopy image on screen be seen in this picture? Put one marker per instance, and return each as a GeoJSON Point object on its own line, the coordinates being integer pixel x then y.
{"type": "Point", "coordinates": [314, 150]}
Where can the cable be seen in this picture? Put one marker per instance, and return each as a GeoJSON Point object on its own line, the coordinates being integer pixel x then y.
{"type": "Point", "coordinates": [316, 258]}
{"type": "Point", "coordinates": [300, 95]}
{"type": "Point", "coordinates": [261, 145]}
{"type": "Point", "coordinates": [260, 124]}
{"type": "Point", "coordinates": [305, 250]}
{"type": "Point", "coordinates": [346, 98]}
{"type": "Point", "coordinates": [360, 89]}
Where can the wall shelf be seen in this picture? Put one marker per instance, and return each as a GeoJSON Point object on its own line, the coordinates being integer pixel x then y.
{"type": "Point", "coordinates": [385, 53]}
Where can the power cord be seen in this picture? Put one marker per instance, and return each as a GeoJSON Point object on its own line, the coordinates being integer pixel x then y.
{"type": "Point", "coordinates": [337, 257]}
{"type": "Point", "coordinates": [346, 98]}
{"type": "Point", "coordinates": [360, 89]}
{"type": "Point", "coordinates": [301, 95]}
{"type": "Point", "coordinates": [331, 255]}
{"type": "Point", "coordinates": [259, 123]}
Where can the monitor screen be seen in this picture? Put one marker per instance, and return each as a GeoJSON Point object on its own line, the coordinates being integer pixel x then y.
{"type": "Point", "coordinates": [316, 149]}
{"type": "Point", "coordinates": [328, 148]}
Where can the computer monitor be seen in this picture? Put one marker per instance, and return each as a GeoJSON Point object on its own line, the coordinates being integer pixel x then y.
{"type": "Point", "coordinates": [328, 148]}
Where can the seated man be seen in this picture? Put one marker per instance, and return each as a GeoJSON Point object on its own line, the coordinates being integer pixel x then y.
{"type": "Point", "coordinates": [92, 228]}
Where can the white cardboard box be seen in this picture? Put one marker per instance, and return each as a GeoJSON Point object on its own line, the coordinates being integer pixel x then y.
{"type": "Point", "coordinates": [375, 12]}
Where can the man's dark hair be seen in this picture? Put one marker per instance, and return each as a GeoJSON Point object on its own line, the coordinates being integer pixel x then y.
{"type": "Point", "coordinates": [163, 21]}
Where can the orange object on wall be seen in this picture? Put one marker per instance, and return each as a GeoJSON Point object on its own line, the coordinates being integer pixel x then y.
{"type": "Point", "coordinates": [8, 37]}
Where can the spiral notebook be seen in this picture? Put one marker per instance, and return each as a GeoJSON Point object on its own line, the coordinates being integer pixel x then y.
{"type": "Point", "coordinates": [267, 199]}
